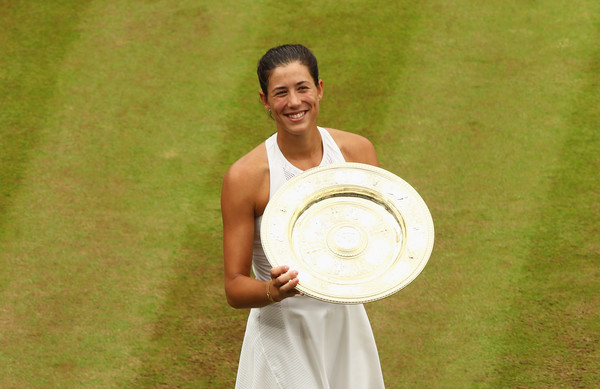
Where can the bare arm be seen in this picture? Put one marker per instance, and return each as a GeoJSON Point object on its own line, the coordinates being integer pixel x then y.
{"type": "Point", "coordinates": [242, 187]}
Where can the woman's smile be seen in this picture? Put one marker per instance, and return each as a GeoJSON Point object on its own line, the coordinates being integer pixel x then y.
{"type": "Point", "coordinates": [296, 116]}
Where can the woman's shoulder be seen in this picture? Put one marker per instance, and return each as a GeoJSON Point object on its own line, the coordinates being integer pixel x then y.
{"type": "Point", "coordinates": [354, 147]}
{"type": "Point", "coordinates": [250, 169]}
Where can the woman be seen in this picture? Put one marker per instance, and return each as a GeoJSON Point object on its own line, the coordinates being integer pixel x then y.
{"type": "Point", "coordinates": [291, 341]}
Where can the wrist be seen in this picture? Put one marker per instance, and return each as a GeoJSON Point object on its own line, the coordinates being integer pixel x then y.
{"type": "Point", "coordinates": [269, 295]}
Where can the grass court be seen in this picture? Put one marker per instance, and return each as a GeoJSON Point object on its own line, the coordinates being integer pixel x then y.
{"type": "Point", "coordinates": [118, 120]}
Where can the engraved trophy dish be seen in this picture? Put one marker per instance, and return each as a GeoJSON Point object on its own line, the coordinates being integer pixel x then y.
{"type": "Point", "coordinates": [356, 233]}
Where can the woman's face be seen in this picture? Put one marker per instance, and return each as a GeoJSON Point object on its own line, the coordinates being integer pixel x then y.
{"type": "Point", "coordinates": [293, 98]}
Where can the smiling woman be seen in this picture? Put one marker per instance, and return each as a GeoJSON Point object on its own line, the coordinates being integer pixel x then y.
{"type": "Point", "coordinates": [291, 341]}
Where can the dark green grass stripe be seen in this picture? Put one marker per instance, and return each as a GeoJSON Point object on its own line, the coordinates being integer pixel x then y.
{"type": "Point", "coordinates": [553, 341]}
{"type": "Point", "coordinates": [34, 37]}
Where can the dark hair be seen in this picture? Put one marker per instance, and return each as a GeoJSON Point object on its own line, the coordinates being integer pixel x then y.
{"type": "Point", "coordinates": [284, 55]}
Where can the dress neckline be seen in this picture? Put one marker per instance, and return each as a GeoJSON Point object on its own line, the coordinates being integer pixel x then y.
{"type": "Point", "coordinates": [293, 168]}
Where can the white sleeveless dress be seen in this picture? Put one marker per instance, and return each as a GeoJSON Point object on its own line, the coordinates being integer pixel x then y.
{"type": "Point", "coordinates": [301, 342]}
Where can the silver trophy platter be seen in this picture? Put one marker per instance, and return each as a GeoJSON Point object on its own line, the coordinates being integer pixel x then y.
{"type": "Point", "coordinates": [356, 233]}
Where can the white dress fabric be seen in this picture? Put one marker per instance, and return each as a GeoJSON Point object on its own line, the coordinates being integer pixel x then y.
{"type": "Point", "coordinates": [301, 342]}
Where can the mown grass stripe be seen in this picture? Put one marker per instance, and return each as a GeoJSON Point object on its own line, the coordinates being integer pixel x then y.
{"type": "Point", "coordinates": [482, 127]}
{"type": "Point", "coordinates": [554, 333]}
{"type": "Point", "coordinates": [34, 37]}
{"type": "Point", "coordinates": [193, 337]}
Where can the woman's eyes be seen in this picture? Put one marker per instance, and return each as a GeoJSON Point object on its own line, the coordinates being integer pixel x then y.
{"type": "Point", "coordinates": [284, 92]}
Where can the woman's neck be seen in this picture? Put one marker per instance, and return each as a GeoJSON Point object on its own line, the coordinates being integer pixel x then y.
{"type": "Point", "coordinates": [304, 151]}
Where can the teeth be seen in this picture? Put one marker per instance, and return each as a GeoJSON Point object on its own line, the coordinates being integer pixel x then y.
{"type": "Point", "coordinates": [297, 115]}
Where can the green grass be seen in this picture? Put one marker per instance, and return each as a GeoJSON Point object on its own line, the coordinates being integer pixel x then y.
{"type": "Point", "coordinates": [119, 119]}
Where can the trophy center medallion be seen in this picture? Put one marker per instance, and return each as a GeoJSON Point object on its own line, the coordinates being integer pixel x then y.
{"type": "Point", "coordinates": [346, 240]}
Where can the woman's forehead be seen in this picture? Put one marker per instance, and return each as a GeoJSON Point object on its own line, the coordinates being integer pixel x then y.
{"type": "Point", "coordinates": [291, 73]}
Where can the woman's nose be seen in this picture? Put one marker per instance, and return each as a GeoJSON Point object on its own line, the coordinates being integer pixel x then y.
{"type": "Point", "coordinates": [293, 99]}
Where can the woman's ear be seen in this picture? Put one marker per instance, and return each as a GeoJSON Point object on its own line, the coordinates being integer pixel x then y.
{"type": "Point", "coordinates": [263, 98]}
{"type": "Point", "coordinates": [320, 89]}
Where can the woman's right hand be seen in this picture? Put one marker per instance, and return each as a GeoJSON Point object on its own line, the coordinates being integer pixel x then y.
{"type": "Point", "coordinates": [283, 283]}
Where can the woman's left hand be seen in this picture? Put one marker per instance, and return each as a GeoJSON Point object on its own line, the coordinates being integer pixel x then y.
{"type": "Point", "coordinates": [283, 283]}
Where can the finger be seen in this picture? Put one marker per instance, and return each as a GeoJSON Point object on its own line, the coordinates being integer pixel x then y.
{"type": "Point", "coordinates": [278, 270]}
{"type": "Point", "coordinates": [291, 284]}
{"type": "Point", "coordinates": [292, 280]}
{"type": "Point", "coordinates": [280, 281]}
{"type": "Point", "coordinates": [293, 276]}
